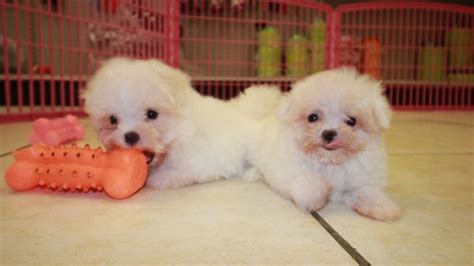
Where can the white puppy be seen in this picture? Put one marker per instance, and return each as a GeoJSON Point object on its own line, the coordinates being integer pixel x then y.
{"type": "Point", "coordinates": [258, 101]}
{"type": "Point", "coordinates": [186, 137]}
{"type": "Point", "coordinates": [325, 141]}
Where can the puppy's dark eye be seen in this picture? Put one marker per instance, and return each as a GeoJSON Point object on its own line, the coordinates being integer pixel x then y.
{"type": "Point", "coordinates": [113, 120]}
{"type": "Point", "coordinates": [313, 118]}
{"type": "Point", "coordinates": [151, 114]}
{"type": "Point", "coordinates": [351, 122]}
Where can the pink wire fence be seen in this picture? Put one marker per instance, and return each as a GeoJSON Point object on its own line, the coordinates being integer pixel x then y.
{"type": "Point", "coordinates": [423, 52]}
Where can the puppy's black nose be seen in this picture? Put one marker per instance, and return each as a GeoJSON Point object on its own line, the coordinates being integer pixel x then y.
{"type": "Point", "coordinates": [132, 137]}
{"type": "Point", "coordinates": [329, 135]}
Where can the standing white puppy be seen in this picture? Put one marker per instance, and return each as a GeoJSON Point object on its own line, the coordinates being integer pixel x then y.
{"type": "Point", "coordinates": [325, 141]}
{"type": "Point", "coordinates": [186, 137]}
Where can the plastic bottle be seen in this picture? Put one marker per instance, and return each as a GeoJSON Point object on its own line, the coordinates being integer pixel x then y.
{"type": "Point", "coordinates": [432, 66]}
{"type": "Point", "coordinates": [317, 40]}
{"type": "Point", "coordinates": [460, 41]}
{"type": "Point", "coordinates": [297, 56]}
{"type": "Point", "coordinates": [269, 52]}
{"type": "Point", "coordinates": [372, 58]}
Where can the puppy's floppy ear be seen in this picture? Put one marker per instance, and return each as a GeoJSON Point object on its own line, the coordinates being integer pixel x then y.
{"type": "Point", "coordinates": [288, 108]}
{"type": "Point", "coordinates": [381, 109]}
{"type": "Point", "coordinates": [283, 110]}
{"type": "Point", "coordinates": [107, 70]}
{"type": "Point", "coordinates": [173, 77]}
{"type": "Point", "coordinates": [175, 80]}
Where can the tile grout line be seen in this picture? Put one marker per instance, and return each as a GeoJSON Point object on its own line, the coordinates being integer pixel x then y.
{"type": "Point", "coordinates": [429, 153]}
{"type": "Point", "coordinates": [86, 125]}
{"type": "Point", "coordinates": [431, 121]}
{"type": "Point", "coordinates": [444, 122]}
{"type": "Point", "coordinates": [340, 240]}
{"type": "Point", "coordinates": [10, 152]}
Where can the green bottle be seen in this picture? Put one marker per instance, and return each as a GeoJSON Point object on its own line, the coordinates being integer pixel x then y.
{"type": "Point", "coordinates": [269, 52]}
{"type": "Point", "coordinates": [297, 56]}
{"type": "Point", "coordinates": [432, 66]}
{"type": "Point", "coordinates": [460, 42]}
{"type": "Point", "coordinates": [317, 40]}
{"type": "Point", "coordinates": [461, 79]}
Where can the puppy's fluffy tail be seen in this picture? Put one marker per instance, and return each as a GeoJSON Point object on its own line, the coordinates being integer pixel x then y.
{"type": "Point", "coordinates": [258, 101]}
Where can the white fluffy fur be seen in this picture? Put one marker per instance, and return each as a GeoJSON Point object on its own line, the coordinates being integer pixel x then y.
{"type": "Point", "coordinates": [293, 158]}
{"type": "Point", "coordinates": [195, 139]}
{"type": "Point", "coordinates": [258, 101]}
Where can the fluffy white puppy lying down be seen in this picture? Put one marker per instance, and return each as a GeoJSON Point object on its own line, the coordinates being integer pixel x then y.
{"type": "Point", "coordinates": [325, 141]}
{"type": "Point", "coordinates": [186, 137]}
{"type": "Point", "coordinates": [258, 101]}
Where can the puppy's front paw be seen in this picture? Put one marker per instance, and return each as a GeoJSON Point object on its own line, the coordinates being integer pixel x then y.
{"type": "Point", "coordinates": [379, 207]}
{"type": "Point", "coordinates": [156, 183]}
{"type": "Point", "coordinates": [162, 181]}
{"type": "Point", "coordinates": [311, 195]}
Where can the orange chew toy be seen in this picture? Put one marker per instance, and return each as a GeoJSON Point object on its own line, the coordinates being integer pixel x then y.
{"type": "Point", "coordinates": [120, 173]}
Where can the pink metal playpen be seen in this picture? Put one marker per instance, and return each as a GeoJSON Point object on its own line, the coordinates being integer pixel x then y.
{"type": "Point", "coordinates": [423, 52]}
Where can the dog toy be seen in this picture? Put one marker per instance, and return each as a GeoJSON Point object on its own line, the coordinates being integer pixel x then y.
{"type": "Point", "coordinates": [120, 173]}
{"type": "Point", "coordinates": [217, 5]}
{"type": "Point", "coordinates": [237, 5]}
{"type": "Point", "coordinates": [350, 51]}
{"type": "Point", "coordinates": [56, 131]}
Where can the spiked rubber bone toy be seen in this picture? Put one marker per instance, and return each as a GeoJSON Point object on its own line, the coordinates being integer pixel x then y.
{"type": "Point", "coordinates": [120, 173]}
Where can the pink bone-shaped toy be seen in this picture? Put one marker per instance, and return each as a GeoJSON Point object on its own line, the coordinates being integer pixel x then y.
{"type": "Point", "coordinates": [56, 131]}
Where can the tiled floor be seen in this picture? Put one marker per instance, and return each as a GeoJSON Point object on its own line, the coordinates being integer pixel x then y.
{"type": "Point", "coordinates": [432, 175]}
